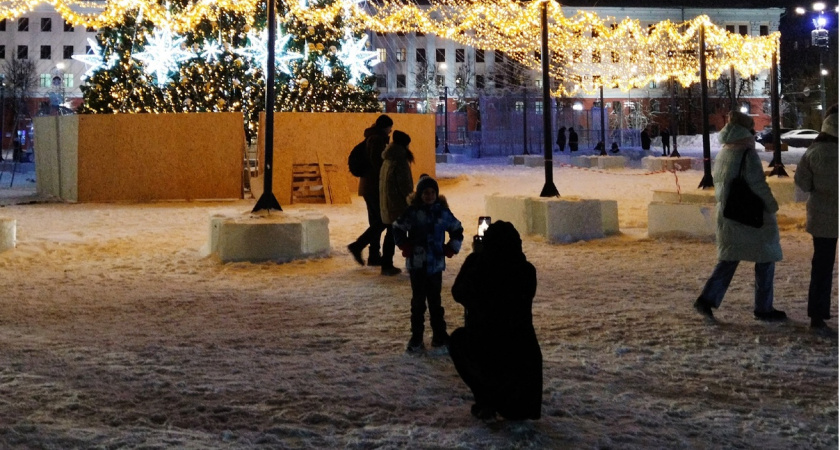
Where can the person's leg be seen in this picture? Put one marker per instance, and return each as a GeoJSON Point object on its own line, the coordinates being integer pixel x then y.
{"type": "Point", "coordinates": [436, 311]}
{"type": "Point", "coordinates": [822, 271]}
{"type": "Point", "coordinates": [718, 283]}
{"type": "Point", "coordinates": [388, 247]}
{"type": "Point", "coordinates": [764, 273]}
{"type": "Point", "coordinates": [419, 291]}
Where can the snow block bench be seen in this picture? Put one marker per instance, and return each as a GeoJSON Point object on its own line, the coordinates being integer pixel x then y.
{"type": "Point", "coordinates": [693, 196]}
{"type": "Point", "coordinates": [527, 160]}
{"type": "Point", "coordinates": [694, 220]}
{"type": "Point", "coordinates": [7, 233]}
{"type": "Point", "coordinates": [785, 190]}
{"type": "Point", "coordinates": [558, 219]}
{"type": "Point", "coordinates": [611, 162]}
{"type": "Point", "coordinates": [448, 158]}
{"type": "Point", "coordinates": [658, 163]}
{"type": "Point", "coordinates": [279, 237]}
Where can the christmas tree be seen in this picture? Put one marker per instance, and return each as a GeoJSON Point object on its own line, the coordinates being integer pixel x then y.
{"type": "Point", "coordinates": [220, 65]}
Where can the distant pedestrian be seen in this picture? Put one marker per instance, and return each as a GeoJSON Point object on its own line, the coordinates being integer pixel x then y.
{"type": "Point", "coordinates": [396, 182]}
{"type": "Point", "coordinates": [573, 140]}
{"type": "Point", "coordinates": [614, 147]}
{"type": "Point", "coordinates": [376, 139]}
{"type": "Point", "coordinates": [599, 147]}
{"type": "Point", "coordinates": [738, 242]}
{"type": "Point", "coordinates": [497, 353]}
{"type": "Point", "coordinates": [561, 139]}
{"type": "Point", "coordinates": [645, 139]}
{"type": "Point", "coordinates": [666, 142]}
{"type": "Point", "coordinates": [816, 174]}
{"type": "Point", "coordinates": [420, 232]}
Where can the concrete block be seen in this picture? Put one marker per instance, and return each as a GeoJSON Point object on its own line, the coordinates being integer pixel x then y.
{"type": "Point", "coordinates": [694, 196]}
{"type": "Point", "coordinates": [513, 209]}
{"type": "Point", "coordinates": [528, 160]}
{"type": "Point", "coordinates": [609, 216]}
{"type": "Point", "coordinates": [611, 162]}
{"type": "Point", "coordinates": [448, 158]}
{"type": "Point", "coordinates": [8, 227]}
{"type": "Point", "coordinates": [585, 161]}
{"type": "Point", "coordinates": [658, 163]}
{"type": "Point", "coordinates": [682, 220]}
{"type": "Point", "coordinates": [567, 220]}
{"type": "Point", "coordinates": [279, 237]}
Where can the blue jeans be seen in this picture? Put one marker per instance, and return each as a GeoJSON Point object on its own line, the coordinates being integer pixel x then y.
{"type": "Point", "coordinates": [718, 283]}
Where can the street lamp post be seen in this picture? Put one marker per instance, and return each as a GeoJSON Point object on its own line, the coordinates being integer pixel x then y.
{"type": "Point", "coordinates": [446, 119]}
{"type": "Point", "coordinates": [2, 112]}
{"type": "Point", "coordinates": [820, 40]}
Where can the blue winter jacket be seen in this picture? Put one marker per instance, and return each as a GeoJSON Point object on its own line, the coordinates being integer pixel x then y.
{"type": "Point", "coordinates": [422, 230]}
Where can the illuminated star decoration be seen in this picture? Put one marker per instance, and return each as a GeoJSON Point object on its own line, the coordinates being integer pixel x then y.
{"type": "Point", "coordinates": [211, 51]}
{"type": "Point", "coordinates": [258, 50]}
{"type": "Point", "coordinates": [162, 55]}
{"type": "Point", "coordinates": [324, 62]}
{"type": "Point", "coordinates": [94, 59]}
{"type": "Point", "coordinates": [355, 58]}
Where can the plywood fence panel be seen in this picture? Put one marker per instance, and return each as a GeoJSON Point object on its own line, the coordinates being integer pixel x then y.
{"type": "Point", "coordinates": [297, 136]}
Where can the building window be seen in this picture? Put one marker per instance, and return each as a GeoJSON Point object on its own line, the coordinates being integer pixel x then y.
{"type": "Point", "coordinates": [69, 26]}
{"type": "Point", "coordinates": [400, 106]}
{"type": "Point", "coordinates": [68, 80]}
{"type": "Point", "coordinates": [45, 80]}
{"type": "Point", "coordinates": [2, 52]}
{"type": "Point", "coordinates": [46, 52]}
{"type": "Point", "coordinates": [3, 25]}
{"type": "Point", "coordinates": [519, 106]}
{"type": "Point", "coordinates": [419, 33]}
{"type": "Point", "coordinates": [730, 29]}
{"type": "Point", "coordinates": [400, 33]}
{"type": "Point", "coordinates": [743, 30]}
{"type": "Point", "coordinates": [654, 106]}
{"type": "Point", "coordinates": [23, 24]}
{"type": "Point", "coordinates": [479, 56]}
{"type": "Point", "coordinates": [400, 81]}
{"type": "Point", "coordinates": [538, 106]}
{"type": "Point", "coordinates": [400, 54]}
{"type": "Point", "coordinates": [763, 30]}
{"type": "Point", "coordinates": [46, 24]}
{"type": "Point", "coordinates": [22, 52]}
{"type": "Point", "coordinates": [498, 56]}
{"type": "Point", "coordinates": [440, 55]}
{"type": "Point", "coordinates": [420, 55]}
{"type": "Point", "coordinates": [499, 80]}
{"type": "Point", "coordinates": [652, 84]}
{"type": "Point", "coordinates": [440, 80]}
{"type": "Point", "coordinates": [479, 81]}
{"type": "Point", "coordinates": [596, 56]}
{"type": "Point", "coordinates": [382, 53]}
{"type": "Point", "coordinates": [381, 81]}
{"type": "Point", "coordinates": [459, 55]}
{"type": "Point", "coordinates": [68, 52]}
{"type": "Point", "coordinates": [379, 33]}
{"type": "Point", "coordinates": [90, 30]}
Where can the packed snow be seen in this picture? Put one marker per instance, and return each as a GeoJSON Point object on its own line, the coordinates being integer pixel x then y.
{"type": "Point", "coordinates": [117, 332]}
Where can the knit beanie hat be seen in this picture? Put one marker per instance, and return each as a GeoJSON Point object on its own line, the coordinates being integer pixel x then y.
{"type": "Point", "coordinates": [740, 126]}
{"type": "Point", "coordinates": [383, 121]}
{"type": "Point", "coordinates": [427, 182]}
{"type": "Point", "coordinates": [829, 125]}
{"type": "Point", "coordinates": [401, 138]}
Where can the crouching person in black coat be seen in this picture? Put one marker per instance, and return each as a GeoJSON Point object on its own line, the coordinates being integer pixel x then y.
{"type": "Point", "coordinates": [497, 353]}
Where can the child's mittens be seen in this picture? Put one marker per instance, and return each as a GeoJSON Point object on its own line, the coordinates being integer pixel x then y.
{"type": "Point", "coordinates": [407, 251]}
{"type": "Point", "coordinates": [448, 251]}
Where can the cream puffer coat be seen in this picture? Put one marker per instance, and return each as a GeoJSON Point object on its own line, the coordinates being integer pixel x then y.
{"type": "Point", "coordinates": [816, 174]}
{"type": "Point", "coordinates": [735, 241]}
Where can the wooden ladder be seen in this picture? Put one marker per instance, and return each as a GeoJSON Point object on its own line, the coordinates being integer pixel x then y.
{"type": "Point", "coordinates": [317, 182]}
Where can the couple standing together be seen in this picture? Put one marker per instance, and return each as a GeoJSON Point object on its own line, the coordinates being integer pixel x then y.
{"type": "Point", "coordinates": [385, 199]}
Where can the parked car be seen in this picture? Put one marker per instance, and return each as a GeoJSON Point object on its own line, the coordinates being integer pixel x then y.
{"type": "Point", "coordinates": [799, 138]}
{"type": "Point", "coordinates": [765, 136]}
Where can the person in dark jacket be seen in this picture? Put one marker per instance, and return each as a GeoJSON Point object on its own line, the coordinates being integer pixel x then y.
{"type": "Point", "coordinates": [816, 174]}
{"type": "Point", "coordinates": [666, 142]}
{"type": "Point", "coordinates": [376, 138]}
{"type": "Point", "coordinates": [420, 232]}
{"type": "Point", "coordinates": [561, 139]}
{"type": "Point", "coordinates": [497, 353]}
{"type": "Point", "coordinates": [573, 140]}
{"type": "Point", "coordinates": [645, 139]}
{"type": "Point", "coordinates": [614, 147]}
{"type": "Point", "coordinates": [396, 183]}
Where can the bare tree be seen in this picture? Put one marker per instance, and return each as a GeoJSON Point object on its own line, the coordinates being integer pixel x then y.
{"type": "Point", "coordinates": [464, 84]}
{"type": "Point", "coordinates": [21, 79]}
{"type": "Point", "coordinates": [425, 84]}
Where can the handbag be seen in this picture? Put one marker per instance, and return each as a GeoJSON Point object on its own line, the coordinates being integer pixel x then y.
{"type": "Point", "coordinates": [742, 204]}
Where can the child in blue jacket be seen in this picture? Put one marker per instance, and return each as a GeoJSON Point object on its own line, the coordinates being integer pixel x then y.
{"type": "Point", "coordinates": [420, 233]}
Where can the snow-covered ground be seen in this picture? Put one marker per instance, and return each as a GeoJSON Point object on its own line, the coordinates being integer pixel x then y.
{"type": "Point", "coordinates": [115, 332]}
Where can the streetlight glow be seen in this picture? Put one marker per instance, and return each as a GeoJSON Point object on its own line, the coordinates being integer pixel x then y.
{"type": "Point", "coordinates": [819, 6]}
{"type": "Point", "coordinates": [820, 22]}
{"type": "Point", "coordinates": [800, 10]}
{"type": "Point", "coordinates": [823, 72]}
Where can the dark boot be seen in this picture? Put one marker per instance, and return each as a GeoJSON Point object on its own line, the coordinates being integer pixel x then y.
{"type": "Point", "coordinates": [356, 250]}
{"type": "Point", "coordinates": [374, 259]}
{"type": "Point", "coordinates": [415, 344]}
